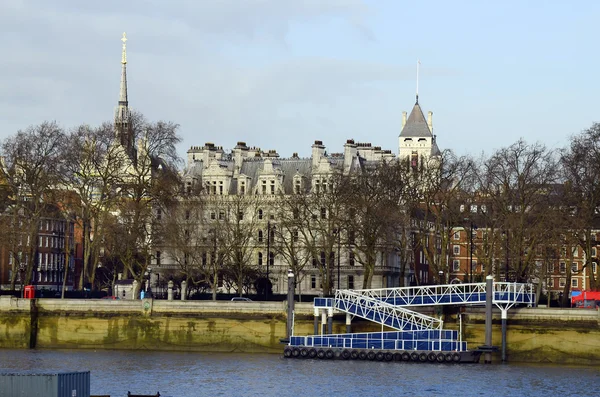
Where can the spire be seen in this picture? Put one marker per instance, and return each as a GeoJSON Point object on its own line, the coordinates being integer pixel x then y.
{"type": "Point", "coordinates": [122, 130]}
{"type": "Point", "coordinates": [123, 92]}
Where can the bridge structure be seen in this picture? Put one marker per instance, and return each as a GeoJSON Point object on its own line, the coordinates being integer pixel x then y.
{"type": "Point", "coordinates": [390, 307]}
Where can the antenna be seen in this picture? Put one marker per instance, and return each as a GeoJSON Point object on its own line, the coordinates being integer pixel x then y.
{"type": "Point", "coordinates": [418, 66]}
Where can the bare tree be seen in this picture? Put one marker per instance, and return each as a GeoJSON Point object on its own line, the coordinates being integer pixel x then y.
{"type": "Point", "coordinates": [524, 178]}
{"type": "Point", "coordinates": [444, 185]}
{"type": "Point", "coordinates": [238, 220]}
{"type": "Point", "coordinates": [32, 162]}
{"type": "Point", "coordinates": [581, 168]}
{"type": "Point", "coordinates": [290, 247]}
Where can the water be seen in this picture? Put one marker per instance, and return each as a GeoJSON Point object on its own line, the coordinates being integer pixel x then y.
{"type": "Point", "coordinates": [222, 374]}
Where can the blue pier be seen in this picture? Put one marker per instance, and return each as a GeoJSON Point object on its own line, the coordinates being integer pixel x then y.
{"type": "Point", "coordinates": [415, 336]}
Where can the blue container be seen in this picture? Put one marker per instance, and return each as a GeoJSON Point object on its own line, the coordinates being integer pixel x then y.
{"type": "Point", "coordinates": [49, 384]}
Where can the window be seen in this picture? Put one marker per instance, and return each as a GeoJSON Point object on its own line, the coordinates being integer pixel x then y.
{"type": "Point", "coordinates": [260, 214]}
{"type": "Point", "coordinates": [187, 214]}
{"type": "Point", "coordinates": [241, 215]}
{"type": "Point", "coordinates": [272, 187]}
{"type": "Point", "coordinates": [313, 281]}
{"type": "Point", "coordinates": [271, 258]}
{"type": "Point", "coordinates": [594, 267]}
{"type": "Point", "coordinates": [593, 252]}
{"type": "Point", "coordinates": [574, 267]}
{"type": "Point", "coordinates": [260, 258]}
{"type": "Point", "coordinates": [562, 282]}
{"type": "Point", "coordinates": [562, 267]}
{"type": "Point", "coordinates": [350, 282]}
{"type": "Point", "coordinates": [157, 258]}
{"type": "Point", "coordinates": [295, 235]}
{"type": "Point", "coordinates": [455, 265]}
{"type": "Point", "coordinates": [550, 268]}
{"type": "Point", "coordinates": [314, 261]}
{"type": "Point", "coordinates": [323, 263]}
{"type": "Point", "coordinates": [462, 208]}
{"type": "Point", "coordinates": [575, 252]}
{"type": "Point", "coordinates": [574, 283]}
{"type": "Point", "coordinates": [456, 249]}
{"type": "Point", "coordinates": [351, 237]}
{"type": "Point", "coordinates": [456, 236]}
{"type": "Point", "coordinates": [351, 258]}
{"type": "Point", "coordinates": [264, 187]}
{"type": "Point", "coordinates": [473, 266]}
{"type": "Point", "coordinates": [213, 215]}
{"type": "Point", "coordinates": [473, 208]}
{"type": "Point", "coordinates": [242, 188]}
{"type": "Point", "coordinates": [323, 213]}
{"type": "Point", "coordinates": [550, 283]}
{"type": "Point", "coordinates": [221, 215]}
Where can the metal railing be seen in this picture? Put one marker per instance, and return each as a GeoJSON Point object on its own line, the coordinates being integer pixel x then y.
{"type": "Point", "coordinates": [376, 310]}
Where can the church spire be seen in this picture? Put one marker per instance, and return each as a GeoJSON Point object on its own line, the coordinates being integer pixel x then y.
{"type": "Point", "coordinates": [122, 130]}
{"type": "Point", "coordinates": [123, 92]}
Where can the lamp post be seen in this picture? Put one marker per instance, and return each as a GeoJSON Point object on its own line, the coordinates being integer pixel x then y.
{"type": "Point", "coordinates": [441, 274]}
{"type": "Point", "coordinates": [268, 259]}
{"type": "Point", "coordinates": [337, 232]}
{"type": "Point", "coordinates": [471, 255]}
{"type": "Point", "coordinates": [506, 268]}
{"type": "Point", "coordinates": [149, 287]}
{"type": "Point", "coordinates": [470, 266]}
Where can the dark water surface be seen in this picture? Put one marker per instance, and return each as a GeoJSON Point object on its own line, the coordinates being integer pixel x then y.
{"type": "Point", "coordinates": [232, 374]}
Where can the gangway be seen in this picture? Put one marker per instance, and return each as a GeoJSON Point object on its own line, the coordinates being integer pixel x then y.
{"type": "Point", "coordinates": [388, 306]}
{"type": "Point", "coordinates": [378, 311]}
{"type": "Point", "coordinates": [453, 294]}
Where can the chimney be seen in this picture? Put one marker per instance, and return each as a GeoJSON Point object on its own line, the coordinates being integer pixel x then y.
{"type": "Point", "coordinates": [430, 120]}
{"type": "Point", "coordinates": [403, 119]}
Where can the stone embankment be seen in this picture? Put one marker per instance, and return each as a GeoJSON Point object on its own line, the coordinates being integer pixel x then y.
{"type": "Point", "coordinates": [565, 336]}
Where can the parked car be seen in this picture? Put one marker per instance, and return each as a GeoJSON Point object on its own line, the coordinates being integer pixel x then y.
{"type": "Point", "coordinates": [240, 299]}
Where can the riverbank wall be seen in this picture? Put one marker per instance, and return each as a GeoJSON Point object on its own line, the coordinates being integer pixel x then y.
{"type": "Point", "coordinates": [563, 336]}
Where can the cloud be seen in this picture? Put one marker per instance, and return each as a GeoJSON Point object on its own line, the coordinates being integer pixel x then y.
{"type": "Point", "coordinates": [186, 63]}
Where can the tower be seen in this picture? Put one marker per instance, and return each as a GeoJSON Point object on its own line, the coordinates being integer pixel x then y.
{"type": "Point", "coordinates": [416, 143]}
{"type": "Point", "coordinates": [123, 132]}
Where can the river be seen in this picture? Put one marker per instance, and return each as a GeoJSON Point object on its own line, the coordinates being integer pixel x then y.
{"type": "Point", "coordinates": [180, 374]}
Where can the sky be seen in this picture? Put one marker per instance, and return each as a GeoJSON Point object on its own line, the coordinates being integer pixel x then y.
{"type": "Point", "coordinates": [280, 74]}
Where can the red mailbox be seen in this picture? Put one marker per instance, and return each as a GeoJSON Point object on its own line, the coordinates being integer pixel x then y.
{"type": "Point", "coordinates": [29, 292]}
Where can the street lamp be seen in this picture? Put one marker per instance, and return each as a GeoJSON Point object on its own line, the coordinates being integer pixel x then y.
{"type": "Point", "coordinates": [506, 268]}
{"type": "Point", "coordinates": [470, 267]}
{"type": "Point", "coordinates": [337, 232]}
{"type": "Point", "coordinates": [269, 258]}
{"type": "Point", "coordinates": [148, 273]}
{"type": "Point", "coordinates": [441, 273]}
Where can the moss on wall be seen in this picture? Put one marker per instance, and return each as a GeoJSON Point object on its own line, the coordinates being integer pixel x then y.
{"type": "Point", "coordinates": [565, 343]}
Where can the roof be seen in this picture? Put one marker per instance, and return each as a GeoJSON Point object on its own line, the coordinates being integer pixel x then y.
{"type": "Point", "coordinates": [416, 125]}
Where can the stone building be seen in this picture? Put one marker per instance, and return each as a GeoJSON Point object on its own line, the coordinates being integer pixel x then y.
{"type": "Point", "coordinates": [248, 170]}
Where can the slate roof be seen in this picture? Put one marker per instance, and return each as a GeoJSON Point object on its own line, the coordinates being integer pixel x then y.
{"type": "Point", "coordinates": [416, 125]}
